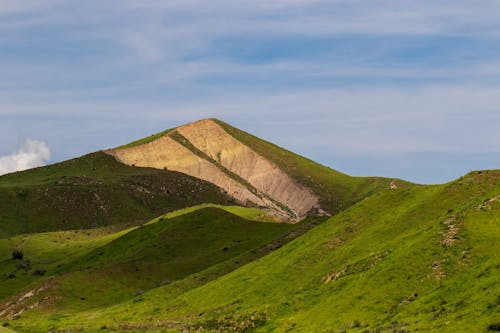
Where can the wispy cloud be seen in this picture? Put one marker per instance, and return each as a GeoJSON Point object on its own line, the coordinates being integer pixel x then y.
{"type": "Point", "coordinates": [32, 154]}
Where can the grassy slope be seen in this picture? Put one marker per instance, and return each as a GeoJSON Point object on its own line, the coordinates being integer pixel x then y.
{"type": "Point", "coordinates": [251, 214]}
{"type": "Point", "coordinates": [381, 265]}
{"type": "Point", "coordinates": [46, 251]}
{"type": "Point", "coordinates": [145, 140]}
{"type": "Point", "coordinates": [88, 271]}
{"type": "Point", "coordinates": [337, 190]}
{"type": "Point", "coordinates": [52, 250]}
{"type": "Point", "coordinates": [95, 190]}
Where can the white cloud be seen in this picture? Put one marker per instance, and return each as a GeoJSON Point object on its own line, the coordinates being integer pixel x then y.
{"type": "Point", "coordinates": [32, 154]}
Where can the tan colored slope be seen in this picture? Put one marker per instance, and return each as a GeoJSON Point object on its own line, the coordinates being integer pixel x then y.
{"type": "Point", "coordinates": [168, 153]}
{"type": "Point", "coordinates": [213, 140]}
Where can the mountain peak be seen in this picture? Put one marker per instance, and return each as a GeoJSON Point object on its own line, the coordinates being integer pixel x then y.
{"type": "Point", "coordinates": [200, 121]}
{"type": "Point", "coordinates": [204, 149]}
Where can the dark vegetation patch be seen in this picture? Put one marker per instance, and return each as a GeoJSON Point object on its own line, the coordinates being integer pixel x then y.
{"type": "Point", "coordinates": [39, 272]}
{"type": "Point", "coordinates": [95, 190]}
{"type": "Point", "coordinates": [495, 327]}
{"type": "Point", "coordinates": [17, 255]}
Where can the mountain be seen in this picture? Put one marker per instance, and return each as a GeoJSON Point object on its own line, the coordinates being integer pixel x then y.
{"type": "Point", "coordinates": [252, 171]}
{"type": "Point", "coordinates": [357, 254]}
{"type": "Point", "coordinates": [205, 161]}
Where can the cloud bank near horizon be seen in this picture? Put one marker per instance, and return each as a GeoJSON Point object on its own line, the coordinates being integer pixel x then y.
{"type": "Point", "coordinates": [33, 153]}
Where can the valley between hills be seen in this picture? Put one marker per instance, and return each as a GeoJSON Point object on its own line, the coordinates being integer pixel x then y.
{"type": "Point", "coordinates": [207, 228]}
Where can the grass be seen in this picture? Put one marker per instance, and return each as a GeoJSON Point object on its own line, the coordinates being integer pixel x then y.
{"type": "Point", "coordinates": [51, 250]}
{"type": "Point", "coordinates": [145, 140]}
{"type": "Point", "coordinates": [382, 265]}
{"type": "Point", "coordinates": [161, 253]}
{"type": "Point", "coordinates": [251, 214]}
{"type": "Point", "coordinates": [95, 268]}
{"type": "Point", "coordinates": [5, 330]}
{"type": "Point", "coordinates": [47, 251]}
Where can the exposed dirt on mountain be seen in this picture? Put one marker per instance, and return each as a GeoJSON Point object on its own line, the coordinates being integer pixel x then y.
{"type": "Point", "coordinates": [227, 163]}
{"type": "Point", "coordinates": [26, 301]}
{"type": "Point", "coordinates": [487, 204]}
{"type": "Point", "coordinates": [212, 139]}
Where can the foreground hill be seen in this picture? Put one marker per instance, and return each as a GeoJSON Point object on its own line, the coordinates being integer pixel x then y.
{"type": "Point", "coordinates": [416, 259]}
{"type": "Point", "coordinates": [77, 270]}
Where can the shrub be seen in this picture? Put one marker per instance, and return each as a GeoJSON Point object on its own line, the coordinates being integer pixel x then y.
{"type": "Point", "coordinates": [494, 327]}
{"type": "Point", "coordinates": [355, 324]}
{"type": "Point", "coordinates": [39, 272]}
{"type": "Point", "coordinates": [24, 265]}
{"type": "Point", "coordinates": [163, 283]}
{"type": "Point", "coordinates": [17, 255]}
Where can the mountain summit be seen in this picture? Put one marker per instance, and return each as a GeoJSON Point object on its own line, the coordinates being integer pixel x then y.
{"type": "Point", "coordinates": [205, 150]}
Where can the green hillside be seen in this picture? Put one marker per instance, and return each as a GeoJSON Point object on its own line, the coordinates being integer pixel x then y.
{"type": "Point", "coordinates": [94, 268]}
{"type": "Point", "coordinates": [416, 259]}
{"type": "Point", "coordinates": [95, 190]}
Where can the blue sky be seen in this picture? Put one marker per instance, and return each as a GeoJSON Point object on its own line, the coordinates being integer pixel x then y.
{"type": "Point", "coordinates": [406, 89]}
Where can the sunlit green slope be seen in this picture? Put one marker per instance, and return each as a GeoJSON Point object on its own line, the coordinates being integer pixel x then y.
{"type": "Point", "coordinates": [89, 269]}
{"type": "Point", "coordinates": [416, 259]}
